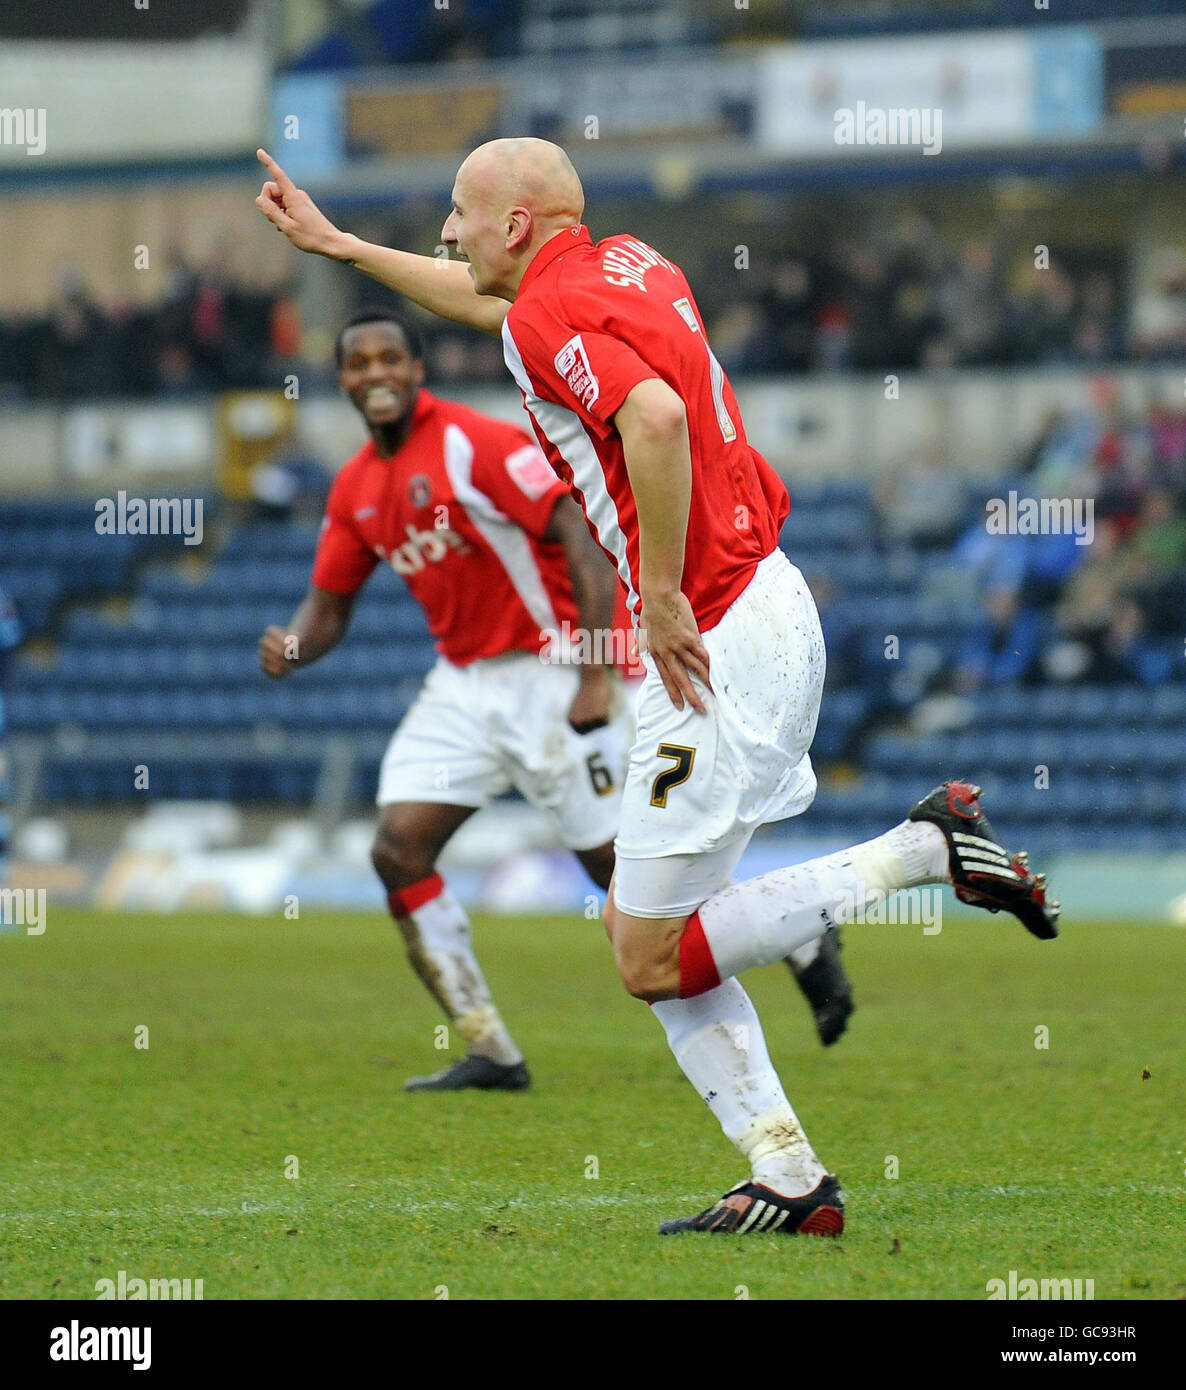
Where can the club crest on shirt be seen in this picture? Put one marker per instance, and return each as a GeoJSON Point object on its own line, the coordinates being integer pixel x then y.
{"type": "Point", "coordinates": [572, 362]}
{"type": "Point", "coordinates": [419, 490]}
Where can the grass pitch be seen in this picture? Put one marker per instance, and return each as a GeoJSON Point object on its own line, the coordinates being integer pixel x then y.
{"type": "Point", "coordinates": [270, 1042]}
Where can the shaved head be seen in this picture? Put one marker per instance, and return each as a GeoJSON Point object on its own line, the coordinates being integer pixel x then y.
{"type": "Point", "coordinates": [534, 173]}
{"type": "Point", "coordinates": [510, 196]}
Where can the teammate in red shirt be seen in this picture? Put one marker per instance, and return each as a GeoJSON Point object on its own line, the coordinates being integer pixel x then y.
{"type": "Point", "coordinates": [466, 509]}
{"type": "Point", "coordinates": [608, 348]}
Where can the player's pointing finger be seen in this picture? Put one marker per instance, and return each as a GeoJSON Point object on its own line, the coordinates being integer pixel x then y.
{"type": "Point", "coordinates": [275, 170]}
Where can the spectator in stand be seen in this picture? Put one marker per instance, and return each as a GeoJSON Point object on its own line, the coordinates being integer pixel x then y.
{"type": "Point", "coordinates": [1167, 436]}
{"type": "Point", "coordinates": [1003, 647]}
{"type": "Point", "coordinates": [921, 503]}
{"type": "Point", "coordinates": [790, 304]}
{"type": "Point", "coordinates": [1159, 310]}
{"type": "Point", "coordinates": [1097, 334]}
{"type": "Point", "coordinates": [72, 345]}
{"type": "Point", "coordinates": [841, 294]}
{"type": "Point", "coordinates": [971, 303]}
{"type": "Point", "coordinates": [741, 339]}
{"type": "Point", "coordinates": [1110, 611]}
{"type": "Point", "coordinates": [1099, 628]}
{"type": "Point", "coordinates": [1158, 568]}
{"type": "Point", "coordinates": [210, 331]}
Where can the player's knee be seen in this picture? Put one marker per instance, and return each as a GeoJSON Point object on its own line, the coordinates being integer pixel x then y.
{"type": "Point", "coordinates": [644, 976]}
{"type": "Point", "coordinates": [644, 982]}
{"type": "Point", "coordinates": [400, 860]}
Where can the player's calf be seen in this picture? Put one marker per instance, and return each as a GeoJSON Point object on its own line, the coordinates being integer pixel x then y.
{"type": "Point", "coordinates": [439, 942]}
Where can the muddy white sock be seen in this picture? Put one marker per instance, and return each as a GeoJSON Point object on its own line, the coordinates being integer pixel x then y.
{"type": "Point", "coordinates": [767, 918]}
{"type": "Point", "coordinates": [439, 939]}
{"type": "Point", "coordinates": [718, 1042]}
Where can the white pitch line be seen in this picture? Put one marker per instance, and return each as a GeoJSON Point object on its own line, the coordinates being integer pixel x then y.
{"type": "Point", "coordinates": [372, 1203]}
{"type": "Point", "coordinates": [410, 1207]}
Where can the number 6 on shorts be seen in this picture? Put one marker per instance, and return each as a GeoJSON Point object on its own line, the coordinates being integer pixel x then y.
{"type": "Point", "coordinates": [673, 776]}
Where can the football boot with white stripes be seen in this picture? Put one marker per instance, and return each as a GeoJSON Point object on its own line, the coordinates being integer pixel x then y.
{"type": "Point", "coordinates": [826, 987]}
{"type": "Point", "coordinates": [983, 871]}
{"type": "Point", "coordinates": [752, 1207]}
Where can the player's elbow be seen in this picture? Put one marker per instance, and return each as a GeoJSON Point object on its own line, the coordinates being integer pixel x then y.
{"type": "Point", "coordinates": [665, 419]}
{"type": "Point", "coordinates": [653, 412]}
{"type": "Point", "coordinates": [491, 315]}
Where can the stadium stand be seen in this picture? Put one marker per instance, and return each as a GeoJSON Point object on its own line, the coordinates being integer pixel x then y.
{"type": "Point", "coordinates": [180, 655]}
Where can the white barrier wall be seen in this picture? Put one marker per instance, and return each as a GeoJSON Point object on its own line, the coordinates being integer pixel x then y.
{"type": "Point", "coordinates": [107, 103]}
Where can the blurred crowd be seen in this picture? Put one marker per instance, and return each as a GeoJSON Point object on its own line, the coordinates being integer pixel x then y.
{"type": "Point", "coordinates": [210, 331]}
{"type": "Point", "coordinates": [908, 297]}
{"type": "Point", "coordinates": [1052, 608]}
{"type": "Point", "coordinates": [914, 297]}
{"type": "Point", "coordinates": [920, 302]}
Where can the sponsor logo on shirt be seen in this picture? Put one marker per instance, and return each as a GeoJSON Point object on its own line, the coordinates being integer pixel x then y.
{"type": "Point", "coordinates": [530, 472]}
{"type": "Point", "coordinates": [423, 548]}
{"type": "Point", "coordinates": [572, 362]}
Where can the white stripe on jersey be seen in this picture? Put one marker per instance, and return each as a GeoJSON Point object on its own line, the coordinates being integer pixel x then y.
{"type": "Point", "coordinates": [508, 541]}
{"type": "Point", "coordinates": [565, 432]}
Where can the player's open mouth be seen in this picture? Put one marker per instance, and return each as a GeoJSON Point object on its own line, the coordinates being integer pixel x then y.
{"type": "Point", "coordinates": [380, 400]}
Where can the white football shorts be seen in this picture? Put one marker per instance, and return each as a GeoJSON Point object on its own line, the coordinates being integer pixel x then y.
{"type": "Point", "coordinates": [699, 785]}
{"type": "Point", "coordinates": [476, 731]}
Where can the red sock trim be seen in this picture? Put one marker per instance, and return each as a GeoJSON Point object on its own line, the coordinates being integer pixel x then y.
{"type": "Point", "coordinates": [697, 969]}
{"type": "Point", "coordinates": [404, 901]}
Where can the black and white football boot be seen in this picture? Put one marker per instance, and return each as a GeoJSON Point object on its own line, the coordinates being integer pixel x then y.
{"type": "Point", "coordinates": [983, 871]}
{"type": "Point", "coordinates": [751, 1207]}
{"type": "Point", "coordinates": [474, 1073]}
{"type": "Point", "coordinates": [826, 987]}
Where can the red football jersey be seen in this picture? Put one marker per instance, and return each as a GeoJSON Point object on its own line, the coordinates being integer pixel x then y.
{"type": "Point", "coordinates": [459, 511]}
{"type": "Point", "coordinates": [589, 324]}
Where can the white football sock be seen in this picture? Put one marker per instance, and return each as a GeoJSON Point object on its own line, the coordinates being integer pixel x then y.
{"type": "Point", "coordinates": [718, 1042]}
{"type": "Point", "coordinates": [440, 946]}
{"type": "Point", "coordinates": [767, 918]}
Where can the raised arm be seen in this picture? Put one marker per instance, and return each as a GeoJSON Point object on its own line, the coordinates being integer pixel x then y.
{"type": "Point", "coordinates": [441, 286]}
